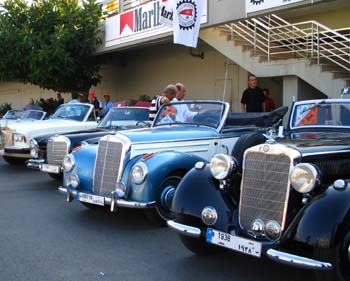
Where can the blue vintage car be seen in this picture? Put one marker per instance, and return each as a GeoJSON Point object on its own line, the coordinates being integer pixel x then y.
{"type": "Point", "coordinates": [141, 168]}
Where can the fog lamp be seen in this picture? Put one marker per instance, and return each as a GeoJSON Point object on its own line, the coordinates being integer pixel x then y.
{"type": "Point", "coordinates": [73, 181]}
{"type": "Point", "coordinates": [272, 230]}
{"type": "Point", "coordinates": [120, 189]}
{"type": "Point", "coordinates": [222, 165]}
{"type": "Point", "coordinates": [209, 215]}
{"type": "Point", "coordinates": [304, 177]}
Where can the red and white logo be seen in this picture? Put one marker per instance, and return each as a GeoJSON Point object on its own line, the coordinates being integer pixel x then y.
{"type": "Point", "coordinates": [126, 23]}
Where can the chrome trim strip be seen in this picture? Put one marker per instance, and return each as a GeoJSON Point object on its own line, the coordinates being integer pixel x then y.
{"type": "Point", "coordinates": [324, 152]}
{"type": "Point", "coordinates": [185, 229]}
{"type": "Point", "coordinates": [297, 261]}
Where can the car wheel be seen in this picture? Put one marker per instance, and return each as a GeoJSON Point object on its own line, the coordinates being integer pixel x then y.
{"type": "Point", "coordinates": [13, 160]}
{"type": "Point", "coordinates": [245, 142]}
{"type": "Point", "coordinates": [56, 176]}
{"type": "Point", "coordinates": [162, 212]}
{"type": "Point", "coordinates": [339, 257]}
{"type": "Point", "coordinates": [196, 245]}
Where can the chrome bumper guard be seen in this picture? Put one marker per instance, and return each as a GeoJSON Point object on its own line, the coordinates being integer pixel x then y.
{"type": "Point", "coordinates": [185, 229]}
{"type": "Point", "coordinates": [71, 195]}
{"type": "Point", "coordinates": [297, 261]}
{"type": "Point", "coordinates": [35, 163]}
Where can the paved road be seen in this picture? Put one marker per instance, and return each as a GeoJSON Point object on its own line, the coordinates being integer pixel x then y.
{"type": "Point", "coordinates": [44, 238]}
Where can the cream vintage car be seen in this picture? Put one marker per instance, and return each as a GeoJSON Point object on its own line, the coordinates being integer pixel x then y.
{"type": "Point", "coordinates": [15, 137]}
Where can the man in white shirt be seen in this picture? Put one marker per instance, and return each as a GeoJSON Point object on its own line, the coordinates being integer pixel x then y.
{"type": "Point", "coordinates": [183, 112]}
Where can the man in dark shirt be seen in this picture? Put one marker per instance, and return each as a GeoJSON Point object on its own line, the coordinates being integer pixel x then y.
{"type": "Point", "coordinates": [168, 94]}
{"type": "Point", "coordinates": [96, 103]}
{"type": "Point", "coordinates": [253, 99]}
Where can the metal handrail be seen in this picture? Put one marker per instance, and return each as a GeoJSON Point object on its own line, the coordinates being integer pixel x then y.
{"type": "Point", "coordinates": [273, 36]}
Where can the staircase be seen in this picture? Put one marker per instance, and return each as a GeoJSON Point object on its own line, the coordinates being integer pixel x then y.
{"type": "Point", "coordinates": [270, 46]}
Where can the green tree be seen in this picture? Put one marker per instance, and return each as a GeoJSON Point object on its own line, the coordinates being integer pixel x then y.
{"type": "Point", "coordinates": [50, 43]}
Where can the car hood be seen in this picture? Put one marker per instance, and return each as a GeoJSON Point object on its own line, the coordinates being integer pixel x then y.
{"type": "Point", "coordinates": [169, 133]}
{"type": "Point", "coordinates": [309, 143]}
{"type": "Point", "coordinates": [54, 126]}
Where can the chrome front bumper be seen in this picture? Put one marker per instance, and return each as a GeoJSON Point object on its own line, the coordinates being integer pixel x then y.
{"type": "Point", "coordinates": [35, 163]}
{"type": "Point", "coordinates": [275, 255]}
{"type": "Point", "coordinates": [71, 195]}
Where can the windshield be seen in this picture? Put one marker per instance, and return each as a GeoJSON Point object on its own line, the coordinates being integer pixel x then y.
{"type": "Point", "coordinates": [12, 115]}
{"type": "Point", "coordinates": [125, 116]}
{"type": "Point", "coordinates": [71, 111]}
{"type": "Point", "coordinates": [321, 114]}
{"type": "Point", "coordinates": [197, 113]}
{"type": "Point", "coordinates": [32, 114]}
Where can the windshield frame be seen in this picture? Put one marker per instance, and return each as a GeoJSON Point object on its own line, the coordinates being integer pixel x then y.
{"type": "Point", "coordinates": [316, 103]}
{"type": "Point", "coordinates": [90, 108]}
{"type": "Point", "coordinates": [225, 109]}
{"type": "Point", "coordinates": [115, 108]}
{"type": "Point", "coordinates": [12, 110]}
{"type": "Point", "coordinates": [28, 111]}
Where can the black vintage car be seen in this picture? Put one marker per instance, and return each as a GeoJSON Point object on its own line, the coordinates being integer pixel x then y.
{"type": "Point", "coordinates": [285, 198]}
{"type": "Point", "coordinates": [49, 150]}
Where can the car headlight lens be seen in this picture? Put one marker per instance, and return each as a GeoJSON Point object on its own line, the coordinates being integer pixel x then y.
{"type": "Point", "coordinates": [222, 165]}
{"type": "Point", "coordinates": [19, 138]}
{"type": "Point", "coordinates": [120, 189]}
{"type": "Point", "coordinates": [73, 181]}
{"type": "Point", "coordinates": [139, 173]}
{"type": "Point", "coordinates": [304, 177]}
{"type": "Point", "coordinates": [68, 163]}
{"type": "Point", "coordinates": [34, 149]}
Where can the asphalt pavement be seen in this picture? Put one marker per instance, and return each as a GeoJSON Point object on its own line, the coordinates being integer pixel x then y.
{"type": "Point", "coordinates": [44, 238]}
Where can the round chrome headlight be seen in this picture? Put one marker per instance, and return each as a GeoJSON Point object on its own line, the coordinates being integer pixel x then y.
{"type": "Point", "coordinates": [222, 165]}
{"type": "Point", "coordinates": [304, 177]}
{"type": "Point", "coordinates": [73, 181]}
{"type": "Point", "coordinates": [34, 149]}
{"type": "Point", "coordinates": [273, 230]}
{"type": "Point", "coordinates": [68, 163]}
{"type": "Point", "coordinates": [139, 173]}
{"type": "Point", "coordinates": [209, 215]}
{"type": "Point", "coordinates": [120, 189]}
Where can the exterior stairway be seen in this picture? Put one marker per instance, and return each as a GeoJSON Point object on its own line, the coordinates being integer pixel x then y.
{"type": "Point", "coordinates": [270, 46]}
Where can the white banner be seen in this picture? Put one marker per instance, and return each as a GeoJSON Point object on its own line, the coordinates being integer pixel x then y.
{"type": "Point", "coordinates": [259, 5]}
{"type": "Point", "coordinates": [138, 23]}
{"type": "Point", "coordinates": [166, 12]}
{"type": "Point", "coordinates": [187, 21]}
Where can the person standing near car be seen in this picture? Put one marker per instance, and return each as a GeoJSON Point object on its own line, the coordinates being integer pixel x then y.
{"type": "Point", "coordinates": [96, 103]}
{"type": "Point", "coordinates": [253, 99]}
{"type": "Point", "coordinates": [168, 95]}
{"type": "Point", "coordinates": [183, 113]}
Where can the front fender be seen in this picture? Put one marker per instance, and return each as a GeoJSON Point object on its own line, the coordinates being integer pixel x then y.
{"type": "Point", "coordinates": [84, 167]}
{"type": "Point", "coordinates": [197, 190]}
{"type": "Point", "coordinates": [324, 222]}
{"type": "Point", "coordinates": [160, 166]}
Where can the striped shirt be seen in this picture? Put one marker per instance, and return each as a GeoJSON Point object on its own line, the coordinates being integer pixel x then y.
{"type": "Point", "coordinates": [155, 105]}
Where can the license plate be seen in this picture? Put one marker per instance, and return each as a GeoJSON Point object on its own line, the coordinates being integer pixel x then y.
{"type": "Point", "coordinates": [55, 169]}
{"type": "Point", "coordinates": [89, 198]}
{"type": "Point", "coordinates": [239, 244]}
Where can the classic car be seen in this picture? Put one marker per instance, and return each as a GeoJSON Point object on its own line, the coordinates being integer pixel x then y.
{"type": "Point", "coordinates": [284, 198]}
{"type": "Point", "coordinates": [49, 150]}
{"type": "Point", "coordinates": [141, 168]}
{"type": "Point", "coordinates": [15, 116]}
{"type": "Point", "coordinates": [67, 118]}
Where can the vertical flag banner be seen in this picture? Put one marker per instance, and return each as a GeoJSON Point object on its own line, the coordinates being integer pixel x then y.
{"type": "Point", "coordinates": [186, 21]}
{"type": "Point", "coordinates": [166, 12]}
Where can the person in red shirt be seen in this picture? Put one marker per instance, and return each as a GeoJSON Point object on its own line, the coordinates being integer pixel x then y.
{"type": "Point", "coordinates": [269, 103]}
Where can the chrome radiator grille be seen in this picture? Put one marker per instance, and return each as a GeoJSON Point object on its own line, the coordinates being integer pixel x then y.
{"type": "Point", "coordinates": [56, 149]}
{"type": "Point", "coordinates": [107, 165]}
{"type": "Point", "coordinates": [264, 188]}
